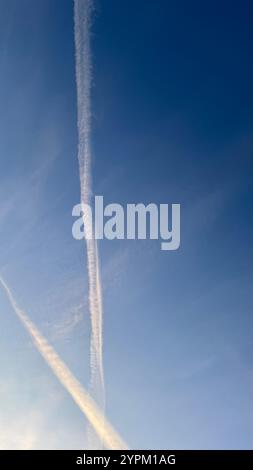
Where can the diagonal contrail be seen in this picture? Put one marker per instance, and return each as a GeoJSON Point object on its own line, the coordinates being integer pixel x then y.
{"type": "Point", "coordinates": [82, 18]}
{"type": "Point", "coordinates": [86, 404]}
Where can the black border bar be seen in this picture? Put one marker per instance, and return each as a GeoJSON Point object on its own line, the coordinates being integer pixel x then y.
{"type": "Point", "coordinates": [109, 459]}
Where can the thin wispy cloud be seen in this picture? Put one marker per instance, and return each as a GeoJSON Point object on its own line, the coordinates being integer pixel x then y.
{"type": "Point", "coordinates": [86, 404]}
{"type": "Point", "coordinates": [82, 15]}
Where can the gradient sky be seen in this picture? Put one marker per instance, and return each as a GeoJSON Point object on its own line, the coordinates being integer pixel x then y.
{"type": "Point", "coordinates": [172, 123]}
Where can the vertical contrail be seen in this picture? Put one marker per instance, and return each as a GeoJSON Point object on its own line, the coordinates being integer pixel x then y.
{"type": "Point", "coordinates": [86, 404]}
{"type": "Point", "coordinates": [82, 19]}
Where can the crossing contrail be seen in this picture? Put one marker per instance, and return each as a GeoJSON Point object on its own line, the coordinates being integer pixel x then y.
{"type": "Point", "coordinates": [82, 398]}
{"type": "Point", "coordinates": [82, 19]}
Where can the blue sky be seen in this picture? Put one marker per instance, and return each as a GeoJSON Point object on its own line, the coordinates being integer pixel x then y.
{"type": "Point", "coordinates": [172, 123]}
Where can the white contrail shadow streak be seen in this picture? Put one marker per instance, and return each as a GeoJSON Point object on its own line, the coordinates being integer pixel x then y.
{"type": "Point", "coordinates": [86, 404]}
{"type": "Point", "coordinates": [82, 16]}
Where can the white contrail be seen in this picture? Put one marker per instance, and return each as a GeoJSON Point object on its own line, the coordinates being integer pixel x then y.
{"type": "Point", "coordinates": [82, 17]}
{"type": "Point", "coordinates": [86, 404]}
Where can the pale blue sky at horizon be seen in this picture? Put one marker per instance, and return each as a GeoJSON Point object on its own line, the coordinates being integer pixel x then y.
{"type": "Point", "coordinates": [171, 123]}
